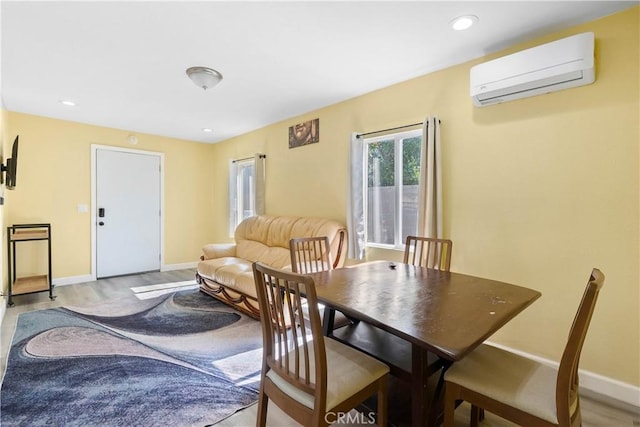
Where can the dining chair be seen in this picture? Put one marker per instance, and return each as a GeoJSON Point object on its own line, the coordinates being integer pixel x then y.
{"type": "Point", "coordinates": [312, 255]}
{"type": "Point", "coordinates": [428, 252]}
{"type": "Point", "coordinates": [309, 377]}
{"type": "Point", "coordinates": [519, 389]}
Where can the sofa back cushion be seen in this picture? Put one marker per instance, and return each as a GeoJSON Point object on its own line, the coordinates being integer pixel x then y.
{"type": "Point", "coordinates": [266, 238]}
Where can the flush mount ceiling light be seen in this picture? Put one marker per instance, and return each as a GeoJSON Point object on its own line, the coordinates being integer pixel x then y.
{"type": "Point", "coordinates": [204, 77]}
{"type": "Point", "coordinates": [67, 102]}
{"type": "Point", "coordinates": [463, 22]}
{"type": "Point", "coordinates": [207, 130]}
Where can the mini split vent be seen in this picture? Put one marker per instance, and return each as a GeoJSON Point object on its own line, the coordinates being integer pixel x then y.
{"type": "Point", "coordinates": [558, 65]}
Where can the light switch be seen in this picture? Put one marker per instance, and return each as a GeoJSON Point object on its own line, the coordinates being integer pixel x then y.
{"type": "Point", "coordinates": [83, 209]}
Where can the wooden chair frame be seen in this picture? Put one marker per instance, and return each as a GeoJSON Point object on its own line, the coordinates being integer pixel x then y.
{"type": "Point", "coordinates": [428, 252]}
{"type": "Point", "coordinates": [310, 254]}
{"type": "Point", "coordinates": [292, 356]}
{"type": "Point", "coordinates": [567, 398]}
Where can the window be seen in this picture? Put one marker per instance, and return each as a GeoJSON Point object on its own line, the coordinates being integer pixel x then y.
{"type": "Point", "coordinates": [246, 189]}
{"type": "Point", "coordinates": [246, 193]}
{"type": "Point", "coordinates": [391, 187]}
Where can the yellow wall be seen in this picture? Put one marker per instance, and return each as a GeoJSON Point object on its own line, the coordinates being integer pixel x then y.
{"type": "Point", "coordinates": [536, 191]}
{"type": "Point", "coordinates": [54, 176]}
{"type": "Point", "coordinates": [3, 149]}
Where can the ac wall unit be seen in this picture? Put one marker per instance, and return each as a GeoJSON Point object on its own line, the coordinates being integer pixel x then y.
{"type": "Point", "coordinates": [542, 69]}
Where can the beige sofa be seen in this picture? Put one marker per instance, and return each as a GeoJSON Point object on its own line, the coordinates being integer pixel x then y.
{"type": "Point", "coordinates": [225, 270]}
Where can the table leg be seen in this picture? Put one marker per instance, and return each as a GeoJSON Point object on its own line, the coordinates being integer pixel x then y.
{"type": "Point", "coordinates": [419, 392]}
{"type": "Point", "coordinates": [328, 318]}
{"type": "Point", "coordinates": [436, 416]}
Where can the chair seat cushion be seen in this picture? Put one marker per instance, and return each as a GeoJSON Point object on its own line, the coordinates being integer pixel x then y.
{"type": "Point", "coordinates": [508, 378]}
{"type": "Point", "coordinates": [348, 371]}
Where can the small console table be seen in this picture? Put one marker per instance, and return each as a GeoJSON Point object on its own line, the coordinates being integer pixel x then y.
{"type": "Point", "coordinates": [28, 285]}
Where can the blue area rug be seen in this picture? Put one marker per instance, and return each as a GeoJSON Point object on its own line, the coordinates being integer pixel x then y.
{"type": "Point", "coordinates": [182, 359]}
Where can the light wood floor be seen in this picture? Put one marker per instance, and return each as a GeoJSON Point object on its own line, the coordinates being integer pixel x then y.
{"type": "Point", "coordinates": [597, 411]}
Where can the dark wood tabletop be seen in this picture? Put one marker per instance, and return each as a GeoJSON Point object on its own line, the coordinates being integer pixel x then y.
{"type": "Point", "coordinates": [448, 314]}
{"type": "Point", "coordinates": [408, 314]}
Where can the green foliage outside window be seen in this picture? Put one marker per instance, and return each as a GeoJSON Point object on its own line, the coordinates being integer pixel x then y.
{"type": "Point", "coordinates": [385, 151]}
{"type": "Point", "coordinates": [411, 160]}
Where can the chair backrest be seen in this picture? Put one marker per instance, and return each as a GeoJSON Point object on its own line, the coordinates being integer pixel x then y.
{"type": "Point", "coordinates": [310, 254]}
{"type": "Point", "coordinates": [428, 252]}
{"type": "Point", "coordinates": [296, 354]}
{"type": "Point", "coordinates": [567, 401]}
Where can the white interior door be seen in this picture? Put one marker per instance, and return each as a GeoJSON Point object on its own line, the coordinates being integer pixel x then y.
{"type": "Point", "coordinates": [128, 186]}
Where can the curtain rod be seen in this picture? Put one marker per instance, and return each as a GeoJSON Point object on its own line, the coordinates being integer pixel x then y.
{"type": "Point", "coordinates": [386, 130]}
{"type": "Point", "coordinates": [262, 156]}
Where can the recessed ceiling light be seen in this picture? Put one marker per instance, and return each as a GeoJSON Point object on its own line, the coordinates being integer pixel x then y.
{"type": "Point", "coordinates": [207, 130]}
{"type": "Point", "coordinates": [463, 22]}
{"type": "Point", "coordinates": [67, 102]}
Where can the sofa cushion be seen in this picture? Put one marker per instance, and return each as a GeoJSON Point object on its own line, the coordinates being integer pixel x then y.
{"type": "Point", "coordinates": [246, 284]}
{"type": "Point", "coordinates": [266, 238]}
{"type": "Point", "coordinates": [225, 270]}
{"type": "Point", "coordinates": [233, 273]}
{"type": "Point", "coordinates": [274, 256]}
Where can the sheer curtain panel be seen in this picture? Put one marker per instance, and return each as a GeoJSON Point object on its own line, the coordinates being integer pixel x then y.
{"type": "Point", "coordinates": [233, 197]}
{"type": "Point", "coordinates": [259, 183]}
{"type": "Point", "coordinates": [355, 202]}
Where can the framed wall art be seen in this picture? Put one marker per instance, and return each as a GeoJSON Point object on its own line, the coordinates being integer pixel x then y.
{"type": "Point", "coordinates": [304, 133]}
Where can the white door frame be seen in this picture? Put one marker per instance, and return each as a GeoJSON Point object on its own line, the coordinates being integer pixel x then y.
{"type": "Point", "coordinates": [94, 209]}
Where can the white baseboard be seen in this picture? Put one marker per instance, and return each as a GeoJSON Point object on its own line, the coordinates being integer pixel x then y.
{"type": "Point", "coordinates": [591, 382]}
{"type": "Point", "coordinates": [183, 266]}
{"type": "Point", "coordinates": [72, 280]}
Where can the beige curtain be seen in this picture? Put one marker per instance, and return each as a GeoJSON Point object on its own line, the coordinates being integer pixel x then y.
{"type": "Point", "coordinates": [430, 192]}
{"type": "Point", "coordinates": [259, 177]}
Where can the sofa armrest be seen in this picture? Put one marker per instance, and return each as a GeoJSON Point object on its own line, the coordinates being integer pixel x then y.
{"type": "Point", "coordinates": [341, 253]}
{"type": "Point", "coordinates": [218, 250]}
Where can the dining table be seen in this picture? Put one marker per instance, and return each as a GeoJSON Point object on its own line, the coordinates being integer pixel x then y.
{"type": "Point", "coordinates": [417, 320]}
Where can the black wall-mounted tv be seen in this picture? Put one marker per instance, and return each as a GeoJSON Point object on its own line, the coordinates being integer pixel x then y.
{"type": "Point", "coordinates": [11, 168]}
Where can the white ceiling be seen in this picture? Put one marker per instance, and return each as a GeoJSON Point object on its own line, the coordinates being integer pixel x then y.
{"type": "Point", "coordinates": [124, 62]}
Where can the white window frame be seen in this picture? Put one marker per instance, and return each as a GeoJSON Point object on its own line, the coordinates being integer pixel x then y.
{"type": "Point", "coordinates": [398, 179]}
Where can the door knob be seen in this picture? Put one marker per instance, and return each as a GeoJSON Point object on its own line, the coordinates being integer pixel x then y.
{"type": "Point", "coordinates": [101, 223]}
